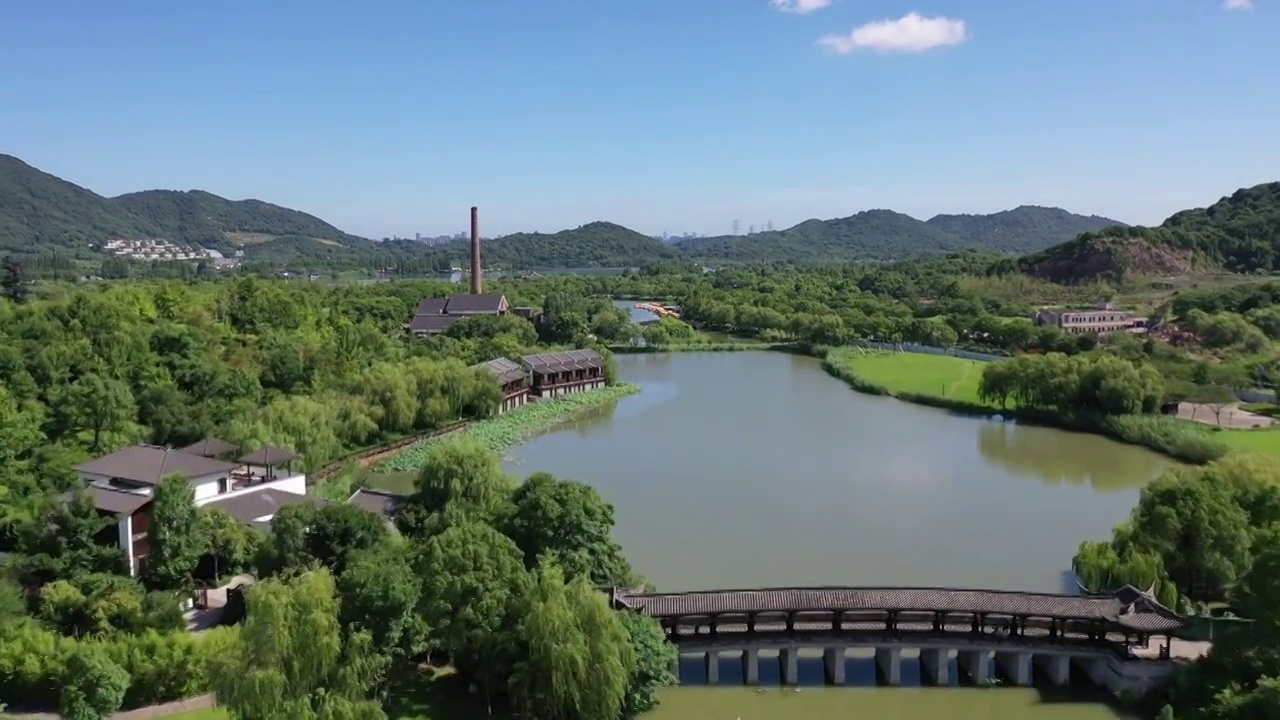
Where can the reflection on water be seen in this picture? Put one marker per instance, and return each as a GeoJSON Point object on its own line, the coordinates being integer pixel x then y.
{"type": "Point", "coordinates": [725, 703]}
{"type": "Point", "coordinates": [758, 469]}
{"type": "Point", "coordinates": [1054, 456]}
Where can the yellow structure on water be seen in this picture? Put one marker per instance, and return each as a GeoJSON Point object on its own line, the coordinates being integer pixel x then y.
{"type": "Point", "coordinates": [659, 310]}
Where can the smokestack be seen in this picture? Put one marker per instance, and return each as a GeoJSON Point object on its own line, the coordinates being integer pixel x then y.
{"type": "Point", "coordinates": [477, 271]}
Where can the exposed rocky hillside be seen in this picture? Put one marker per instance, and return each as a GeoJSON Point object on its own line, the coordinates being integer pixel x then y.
{"type": "Point", "coordinates": [1239, 233]}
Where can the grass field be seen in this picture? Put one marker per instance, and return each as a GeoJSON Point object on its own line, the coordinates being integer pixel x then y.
{"type": "Point", "coordinates": [938, 375]}
{"type": "Point", "coordinates": [957, 379]}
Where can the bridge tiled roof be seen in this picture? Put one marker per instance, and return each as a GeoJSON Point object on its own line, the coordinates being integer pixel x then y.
{"type": "Point", "coordinates": [1128, 607]}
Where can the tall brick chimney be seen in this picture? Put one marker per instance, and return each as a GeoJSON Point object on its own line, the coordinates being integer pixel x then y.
{"type": "Point", "coordinates": [477, 269]}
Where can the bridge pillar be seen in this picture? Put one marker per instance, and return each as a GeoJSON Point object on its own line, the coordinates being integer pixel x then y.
{"type": "Point", "coordinates": [833, 658]}
{"type": "Point", "coordinates": [889, 660]}
{"type": "Point", "coordinates": [1016, 665]}
{"type": "Point", "coordinates": [751, 666]}
{"type": "Point", "coordinates": [936, 664]}
{"type": "Point", "coordinates": [1056, 667]}
{"type": "Point", "coordinates": [978, 664]}
{"type": "Point", "coordinates": [790, 666]}
{"type": "Point", "coordinates": [713, 668]}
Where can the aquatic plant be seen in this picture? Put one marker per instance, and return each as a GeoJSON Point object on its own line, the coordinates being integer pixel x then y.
{"type": "Point", "coordinates": [516, 426]}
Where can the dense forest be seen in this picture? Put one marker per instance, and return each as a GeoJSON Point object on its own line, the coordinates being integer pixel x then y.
{"type": "Point", "coordinates": [42, 215]}
{"type": "Point", "coordinates": [1238, 233]}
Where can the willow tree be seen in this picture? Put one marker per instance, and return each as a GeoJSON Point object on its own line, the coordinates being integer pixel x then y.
{"type": "Point", "coordinates": [290, 660]}
{"type": "Point", "coordinates": [578, 661]}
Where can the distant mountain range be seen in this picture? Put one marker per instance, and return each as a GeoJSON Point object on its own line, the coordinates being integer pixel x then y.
{"type": "Point", "coordinates": [40, 212]}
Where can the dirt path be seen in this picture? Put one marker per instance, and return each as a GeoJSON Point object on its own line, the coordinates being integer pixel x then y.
{"type": "Point", "coordinates": [375, 455]}
{"type": "Point", "coordinates": [1232, 416]}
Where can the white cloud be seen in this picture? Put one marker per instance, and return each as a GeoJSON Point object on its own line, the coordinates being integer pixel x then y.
{"type": "Point", "coordinates": [1237, 4]}
{"type": "Point", "coordinates": [800, 7]}
{"type": "Point", "coordinates": [910, 33]}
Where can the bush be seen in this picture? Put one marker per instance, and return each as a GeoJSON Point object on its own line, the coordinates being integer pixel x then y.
{"type": "Point", "coordinates": [1165, 434]}
{"type": "Point", "coordinates": [93, 686]}
{"type": "Point", "coordinates": [160, 667]}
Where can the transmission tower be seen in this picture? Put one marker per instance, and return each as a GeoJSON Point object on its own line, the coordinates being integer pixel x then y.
{"type": "Point", "coordinates": [770, 226]}
{"type": "Point", "coordinates": [735, 227]}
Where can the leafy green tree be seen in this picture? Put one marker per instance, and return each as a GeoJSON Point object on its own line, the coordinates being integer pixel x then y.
{"type": "Point", "coordinates": [98, 405]}
{"type": "Point", "coordinates": [472, 577]}
{"type": "Point", "coordinates": [578, 660]}
{"type": "Point", "coordinates": [176, 541]}
{"type": "Point", "coordinates": [464, 475]}
{"type": "Point", "coordinates": [230, 546]}
{"type": "Point", "coordinates": [567, 523]}
{"type": "Point", "coordinates": [306, 536]}
{"type": "Point", "coordinates": [654, 656]}
{"type": "Point", "coordinates": [1201, 534]}
{"type": "Point", "coordinates": [11, 280]}
{"type": "Point", "coordinates": [290, 660]}
{"type": "Point", "coordinates": [379, 594]}
{"type": "Point", "coordinates": [93, 686]}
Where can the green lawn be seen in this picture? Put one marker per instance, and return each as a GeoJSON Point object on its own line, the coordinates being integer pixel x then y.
{"type": "Point", "coordinates": [938, 375]}
{"type": "Point", "coordinates": [1257, 441]}
{"type": "Point", "coordinates": [957, 379]}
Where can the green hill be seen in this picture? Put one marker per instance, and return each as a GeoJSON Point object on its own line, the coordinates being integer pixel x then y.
{"type": "Point", "coordinates": [199, 218]}
{"type": "Point", "coordinates": [41, 212]}
{"type": "Point", "coordinates": [597, 244]}
{"type": "Point", "coordinates": [1024, 229]}
{"type": "Point", "coordinates": [889, 235]}
{"type": "Point", "coordinates": [1239, 233]}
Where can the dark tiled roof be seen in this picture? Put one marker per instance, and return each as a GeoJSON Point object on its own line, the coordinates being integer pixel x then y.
{"type": "Point", "coordinates": [490, 303]}
{"type": "Point", "coordinates": [116, 502]}
{"type": "Point", "coordinates": [505, 370]}
{"type": "Point", "coordinates": [378, 501]}
{"type": "Point", "coordinates": [268, 456]}
{"type": "Point", "coordinates": [250, 506]}
{"type": "Point", "coordinates": [462, 304]}
{"type": "Point", "coordinates": [431, 306]}
{"type": "Point", "coordinates": [432, 323]}
{"type": "Point", "coordinates": [564, 360]}
{"type": "Point", "coordinates": [148, 464]}
{"type": "Point", "coordinates": [211, 447]}
{"type": "Point", "coordinates": [1127, 607]}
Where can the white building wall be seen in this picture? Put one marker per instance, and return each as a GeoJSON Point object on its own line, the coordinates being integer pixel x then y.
{"type": "Point", "coordinates": [207, 487]}
{"type": "Point", "coordinates": [125, 527]}
{"type": "Point", "coordinates": [294, 484]}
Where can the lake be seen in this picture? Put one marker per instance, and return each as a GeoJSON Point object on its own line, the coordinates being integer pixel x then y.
{"type": "Point", "coordinates": [755, 469]}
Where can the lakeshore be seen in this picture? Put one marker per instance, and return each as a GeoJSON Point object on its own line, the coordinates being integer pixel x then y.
{"type": "Point", "coordinates": [498, 433]}
{"type": "Point", "coordinates": [951, 383]}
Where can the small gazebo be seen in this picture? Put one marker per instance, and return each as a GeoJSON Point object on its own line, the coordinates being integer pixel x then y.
{"type": "Point", "coordinates": [270, 458]}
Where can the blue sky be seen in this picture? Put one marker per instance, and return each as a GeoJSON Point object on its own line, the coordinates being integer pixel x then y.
{"type": "Point", "coordinates": [394, 116]}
